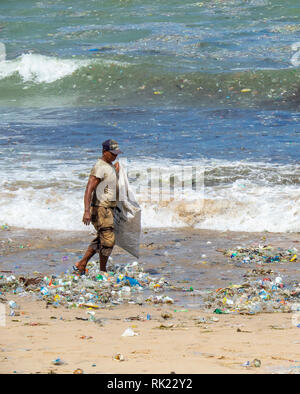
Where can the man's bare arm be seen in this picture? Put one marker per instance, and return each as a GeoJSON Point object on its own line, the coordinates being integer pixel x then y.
{"type": "Point", "coordinates": [93, 182]}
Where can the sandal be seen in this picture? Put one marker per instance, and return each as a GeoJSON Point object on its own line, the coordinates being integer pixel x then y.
{"type": "Point", "coordinates": [78, 271]}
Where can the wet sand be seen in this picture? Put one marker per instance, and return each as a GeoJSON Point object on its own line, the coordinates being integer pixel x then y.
{"type": "Point", "coordinates": [185, 256]}
{"type": "Point", "coordinates": [39, 334]}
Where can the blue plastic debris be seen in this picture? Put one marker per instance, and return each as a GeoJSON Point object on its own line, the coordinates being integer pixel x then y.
{"type": "Point", "coordinates": [130, 281]}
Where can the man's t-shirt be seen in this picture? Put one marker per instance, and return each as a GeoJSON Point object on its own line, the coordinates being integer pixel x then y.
{"type": "Point", "coordinates": [105, 194]}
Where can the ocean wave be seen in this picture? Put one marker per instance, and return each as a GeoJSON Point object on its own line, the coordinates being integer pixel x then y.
{"type": "Point", "coordinates": [242, 205]}
{"type": "Point", "coordinates": [40, 69]}
{"type": "Point", "coordinates": [260, 211]}
{"type": "Point", "coordinates": [108, 81]}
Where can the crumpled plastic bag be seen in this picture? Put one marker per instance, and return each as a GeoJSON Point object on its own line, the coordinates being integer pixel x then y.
{"type": "Point", "coordinates": [127, 217]}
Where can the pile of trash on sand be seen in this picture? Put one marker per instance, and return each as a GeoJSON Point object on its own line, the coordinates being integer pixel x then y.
{"type": "Point", "coordinates": [261, 290]}
{"type": "Point", "coordinates": [121, 284]}
{"type": "Point", "coordinates": [261, 254]}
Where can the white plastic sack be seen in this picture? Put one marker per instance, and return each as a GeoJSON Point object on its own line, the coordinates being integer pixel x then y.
{"type": "Point", "coordinates": [129, 333]}
{"type": "Point", "coordinates": [127, 217]}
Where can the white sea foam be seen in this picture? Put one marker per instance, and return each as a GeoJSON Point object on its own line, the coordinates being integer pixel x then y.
{"type": "Point", "coordinates": [274, 211]}
{"type": "Point", "coordinates": [54, 200]}
{"type": "Point", "coordinates": [39, 68]}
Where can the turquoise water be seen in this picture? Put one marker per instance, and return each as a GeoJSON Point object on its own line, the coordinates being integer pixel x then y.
{"type": "Point", "coordinates": [150, 53]}
{"type": "Point", "coordinates": [211, 83]}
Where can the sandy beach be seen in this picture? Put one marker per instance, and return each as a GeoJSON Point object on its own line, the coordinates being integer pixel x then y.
{"type": "Point", "coordinates": [31, 341]}
{"type": "Point", "coordinates": [179, 338]}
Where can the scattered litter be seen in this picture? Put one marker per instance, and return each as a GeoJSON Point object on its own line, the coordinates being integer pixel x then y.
{"type": "Point", "coordinates": [91, 315]}
{"type": "Point", "coordinates": [165, 326]}
{"type": "Point", "coordinates": [58, 361]}
{"type": "Point", "coordinates": [166, 315]}
{"type": "Point", "coordinates": [256, 363]}
{"type": "Point", "coordinates": [78, 371]}
{"type": "Point", "coordinates": [129, 333]}
{"type": "Point", "coordinates": [133, 318]}
{"type": "Point", "coordinates": [240, 330]}
{"type": "Point", "coordinates": [119, 357]}
{"type": "Point", "coordinates": [13, 305]}
{"type": "Point", "coordinates": [200, 320]}
{"type": "Point", "coordinates": [160, 300]}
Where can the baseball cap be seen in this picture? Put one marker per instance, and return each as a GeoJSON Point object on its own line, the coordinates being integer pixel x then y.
{"type": "Point", "coordinates": [112, 146]}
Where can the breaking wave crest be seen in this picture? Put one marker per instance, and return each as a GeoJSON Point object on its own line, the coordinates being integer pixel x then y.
{"type": "Point", "coordinates": [243, 205]}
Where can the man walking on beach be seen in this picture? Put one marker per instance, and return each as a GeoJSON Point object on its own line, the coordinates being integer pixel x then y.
{"type": "Point", "coordinates": [100, 199]}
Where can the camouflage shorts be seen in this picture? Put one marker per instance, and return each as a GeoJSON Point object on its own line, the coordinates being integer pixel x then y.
{"type": "Point", "coordinates": [103, 221]}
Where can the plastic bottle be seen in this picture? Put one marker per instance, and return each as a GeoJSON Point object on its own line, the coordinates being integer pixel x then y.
{"type": "Point", "coordinates": [13, 305]}
{"type": "Point", "coordinates": [255, 308]}
{"type": "Point", "coordinates": [44, 291]}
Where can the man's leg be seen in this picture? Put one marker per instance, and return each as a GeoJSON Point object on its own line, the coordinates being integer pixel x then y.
{"type": "Point", "coordinates": [81, 264]}
{"type": "Point", "coordinates": [103, 244]}
{"type": "Point", "coordinates": [107, 236]}
{"type": "Point", "coordinates": [103, 261]}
